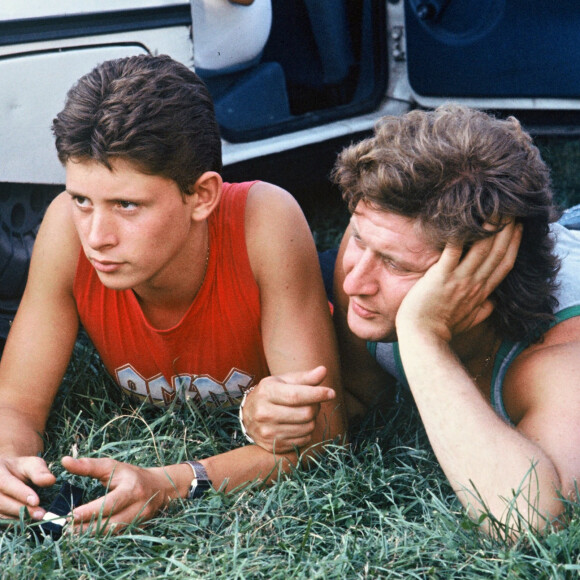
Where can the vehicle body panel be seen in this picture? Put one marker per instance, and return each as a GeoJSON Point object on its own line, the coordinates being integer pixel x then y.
{"type": "Point", "coordinates": [491, 54]}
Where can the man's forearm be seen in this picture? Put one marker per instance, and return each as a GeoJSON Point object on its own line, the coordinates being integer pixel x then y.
{"type": "Point", "coordinates": [251, 463]}
{"type": "Point", "coordinates": [484, 459]}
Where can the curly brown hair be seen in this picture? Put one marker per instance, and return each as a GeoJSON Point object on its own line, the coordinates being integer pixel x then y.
{"type": "Point", "coordinates": [151, 111]}
{"type": "Point", "coordinates": [456, 169]}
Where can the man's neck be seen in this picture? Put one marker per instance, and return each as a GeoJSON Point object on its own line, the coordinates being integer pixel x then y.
{"type": "Point", "coordinates": [469, 344]}
{"type": "Point", "coordinates": [476, 349]}
{"type": "Point", "coordinates": [165, 304]}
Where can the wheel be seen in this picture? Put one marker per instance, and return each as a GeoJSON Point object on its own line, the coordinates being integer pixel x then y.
{"type": "Point", "coordinates": [22, 207]}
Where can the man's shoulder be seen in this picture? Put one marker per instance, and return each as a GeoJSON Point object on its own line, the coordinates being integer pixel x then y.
{"type": "Point", "coordinates": [49, 288]}
{"type": "Point", "coordinates": [546, 372]}
{"type": "Point", "coordinates": [57, 228]}
{"type": "Point", "coordinates": [263, 192]}
{"type": "Point", "coordinates": [57, 245]}
{"type": "Point", "coordinates": [271, 210]}
{"type": "Point", "coordinates": [278, 238]}
{"type": "Point", "coordinates": [563, 335]}
{"type": "Point", "coordinates": [255, 199]}
{"type": "Point", "coordinates": [59, 211]}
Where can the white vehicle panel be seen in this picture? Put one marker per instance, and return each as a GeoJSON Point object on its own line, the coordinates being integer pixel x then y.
{"type": "Point", "coordinates": [26, 142]}
{"type": "Point", "coordinates": [23, 119]}
{"type": "Point", "coordinates": [20, 9]}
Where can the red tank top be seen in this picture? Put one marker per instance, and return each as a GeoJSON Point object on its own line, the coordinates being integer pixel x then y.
{"type": "Point", "coordinates": [215, 353]}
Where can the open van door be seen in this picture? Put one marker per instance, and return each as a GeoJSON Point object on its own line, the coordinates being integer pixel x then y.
{"type": "Point", "coordinates": [320, 61]}
{"type": "Point", "coordinates": [511, 55]}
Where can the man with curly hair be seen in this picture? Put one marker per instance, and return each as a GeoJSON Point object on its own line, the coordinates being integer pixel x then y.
{"type": "Point", "coordinates": [455, 281]}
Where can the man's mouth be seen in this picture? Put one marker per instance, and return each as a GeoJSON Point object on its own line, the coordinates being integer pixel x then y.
{"type": "Point", "coordinates": [360, 310]}
{"type": "Point", "coordinates": [105, 266]}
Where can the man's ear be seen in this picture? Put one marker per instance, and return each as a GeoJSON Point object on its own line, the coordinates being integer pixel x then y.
{"type": "Point", "coordinates": [205, 194]}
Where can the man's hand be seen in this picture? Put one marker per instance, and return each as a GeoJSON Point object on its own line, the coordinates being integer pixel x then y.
{"type": "Point", "coordinates": [135, 493]}
{"type": "Point", "coordinates": [280, 414]}
{"type": "Point", "coordinates": [15, 475]}
{"type": "Point", "coordinates": [454, 294]}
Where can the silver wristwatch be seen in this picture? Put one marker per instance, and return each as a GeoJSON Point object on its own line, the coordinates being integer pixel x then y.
{"type": "Point", "coordinates": [201, 482]}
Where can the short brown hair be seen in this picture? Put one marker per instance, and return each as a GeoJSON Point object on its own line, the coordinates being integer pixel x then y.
{"type": "Point", "coordinates": [455, 169]}
{"type": "Point", "coordinates": [151, 111]}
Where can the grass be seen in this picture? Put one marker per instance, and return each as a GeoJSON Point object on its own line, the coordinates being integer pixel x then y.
{"type": "Point", "coordinates": [379, 508]}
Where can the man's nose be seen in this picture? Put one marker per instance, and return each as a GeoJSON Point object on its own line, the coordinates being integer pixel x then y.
{"type": "Point", "coordinates": [360, 267]}
{"type": "Point", "coordinates": [101, 230]}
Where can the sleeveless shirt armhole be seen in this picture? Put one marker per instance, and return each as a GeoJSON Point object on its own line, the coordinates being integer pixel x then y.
{"type": "Point", "coordinates": [507, 352]}
{"type": "Point", "coordinates": [83, 268]}
{"type": "Point", "coordinates": [389, 360]}
{"type": "Point", "coordinates": [567, 313]}
{"type": "Point", "coordinates": [232, 211]}
{"type": "Point", "coordinates": [401, 376]}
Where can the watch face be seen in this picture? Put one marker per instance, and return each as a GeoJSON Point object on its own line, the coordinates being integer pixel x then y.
{"type": "Point", "coordinates": [198, 488]}
{"type": "Point", "coordinates": [201, 482]}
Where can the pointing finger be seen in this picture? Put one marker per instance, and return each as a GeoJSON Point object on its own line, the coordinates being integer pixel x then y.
{"type": "Point", "coordinates": [311, 377]}
{"type": "Point", "coordinates": [293, 395]}
{"type": "Point", "coordinates": [96, 468]}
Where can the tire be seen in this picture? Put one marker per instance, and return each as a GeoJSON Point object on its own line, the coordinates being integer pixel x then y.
{"type": "Point", "coordinates": [22, 208]}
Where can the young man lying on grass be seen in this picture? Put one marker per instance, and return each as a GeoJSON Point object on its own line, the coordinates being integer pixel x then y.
{"type": "Point", "coordinates": [453, 280]}
{"type": "Point", "coordinates": [187, 286]}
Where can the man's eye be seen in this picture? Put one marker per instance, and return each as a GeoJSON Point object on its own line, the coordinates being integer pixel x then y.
{"type": "Point", "coordinates": [80, 200]}
{"type": "Point", "coordinates": [390, 265]}
{"type": "Point", "coordinates": [127, 204]}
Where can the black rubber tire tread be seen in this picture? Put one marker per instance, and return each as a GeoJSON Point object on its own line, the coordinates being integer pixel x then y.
{"type": "Point", "coordinates": [22, 208]}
